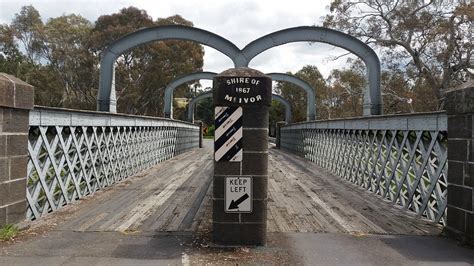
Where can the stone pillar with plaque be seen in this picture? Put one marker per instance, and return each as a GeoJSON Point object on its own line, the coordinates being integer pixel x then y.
{"type": "Point", "coordinates": [241, 97]}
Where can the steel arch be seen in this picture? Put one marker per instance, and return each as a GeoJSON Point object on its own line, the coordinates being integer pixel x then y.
{"type": "Point", "coordinates": [169, 91]}
{"type": "Point", "coordinates": [310, 94]}
{"type": "Point", "coordinates": [286, 103]}
{"type": "Point", "coordinates": [208, 94]}
{"type": "Point", "coordinates": [158, 33]}
{"type": "Point", "coordinates": [372, 97]}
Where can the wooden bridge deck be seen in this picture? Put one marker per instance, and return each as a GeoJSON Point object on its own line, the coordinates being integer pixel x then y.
{"type": "Point", "coordinates": [176, 196]}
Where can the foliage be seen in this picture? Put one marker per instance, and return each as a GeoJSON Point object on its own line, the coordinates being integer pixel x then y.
{"type": "Point", "coordinates": [66, 49]}
{"type": "Point", "coordinates": [143, 73]}
{"type": "Point", "coordinates": [61, 59]}
{"type": "Point", "coordinates": [27, 28]}
{"type": "Point", "coordinates": [53, 57]}
{"type": "Point", "coordinates": [297, 97]}
{"type": "Point", "coordinates": [428, 44]}
{"type": "Point", "coordinates": [210, 130]}
{"type": "Point", "coordinates": [276, 114]}
{"type": "Point", "coordinates": [8, 232]}
{"type": "Point", "coordinates": [345, 92]}
{"type": "Point", "coordinates": [205, 111]}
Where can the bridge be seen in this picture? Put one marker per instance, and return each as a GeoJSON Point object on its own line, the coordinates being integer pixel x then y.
{"type": "Point", "coordinates": [100, 187]}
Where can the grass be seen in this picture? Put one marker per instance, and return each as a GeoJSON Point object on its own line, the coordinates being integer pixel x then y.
{"type": "Point", "coordinates": [8, 231]}
{"type": "Point", "coordinates": [208, 137]}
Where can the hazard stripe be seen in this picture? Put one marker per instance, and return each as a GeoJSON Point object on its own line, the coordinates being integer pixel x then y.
{"type": "Point", "coordinates": [226, 123]}
{"type": "Point", "coordinates": [222, 116]}
{"type": "Point", "coordinates": [229, 144]}
{"type": "Point", "coordinates": [238, 156]}
{"type": "Point", "coordinates": [219, 110]}
{"type": "Point", "coordinates": [228, 134]}
{"type": "Point", "coordinates": [230, 131]}
{"type": "Point", "coordinates": [234, 153]}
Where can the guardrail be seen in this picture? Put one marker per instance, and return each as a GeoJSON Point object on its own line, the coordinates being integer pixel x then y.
{"type": "Point", "coordinates": [402, 158]}
{"type": "Point", "coordinates": [75, 153]}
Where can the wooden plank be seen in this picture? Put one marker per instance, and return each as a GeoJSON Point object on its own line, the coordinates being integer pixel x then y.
{"type": "Point", "coordinates": [203, 216]}
{"type": "Point", "coordinates": [364, 211]}
{"type": "Point", "coordinates": [189, 198]}
{"type": "Point", "coordinates": [280, 222]}
{"type": "Point", "coordinates": [176, 195]}
{"type": "Point", "coordinates": [120, 198]}
{"type": "Point", "coordinates": [197, 200]}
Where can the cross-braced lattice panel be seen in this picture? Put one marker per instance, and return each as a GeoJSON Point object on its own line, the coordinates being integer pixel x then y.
{"type": "Point", "coordinates": [67, 163]}
{"type": "Point", "coordinates": [407, 167]}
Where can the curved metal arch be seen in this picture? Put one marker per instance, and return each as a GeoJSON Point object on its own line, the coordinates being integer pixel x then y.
{"type": "Point", "coordinates": [158, 33]}
{"type": "Point", "coordinates": [194, 100]}
{"type": "Point", "coordinates": [372, 97]}
{"type": "Point", "coordinates": [286, 103]}
{"type": "Point", "coordinates": [310, 93]}
{"type": "Point", "coordinates": [169, 91]}
{"type": "Point", "coordinates": [208, 94]}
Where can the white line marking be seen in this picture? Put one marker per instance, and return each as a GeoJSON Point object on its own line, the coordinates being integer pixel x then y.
{"type": "Point", "coordinates": [185, 259]}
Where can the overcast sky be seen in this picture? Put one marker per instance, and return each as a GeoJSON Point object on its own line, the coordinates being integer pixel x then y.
{"type": "Point", "coordinates": [238, 21]}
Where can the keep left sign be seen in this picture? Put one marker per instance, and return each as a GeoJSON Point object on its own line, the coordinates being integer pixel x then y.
{"type": "Point", "coordinates": [238, 194]}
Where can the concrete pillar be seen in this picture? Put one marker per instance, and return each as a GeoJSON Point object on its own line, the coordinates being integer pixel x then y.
{"type": "Point", "coordinates": [278, 133]}
{"type": "Point", "coordinates": [460, 211]}
{"type": "Point", "coordinates": [16, 99]}
{"type": "Point", "coordinates": [243, 228]}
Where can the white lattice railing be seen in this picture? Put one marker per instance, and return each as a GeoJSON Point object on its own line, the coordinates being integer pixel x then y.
{"type": "Point", "coordinates": [75, 153]}
{"type": "Point", "coordinates": [401, 158]}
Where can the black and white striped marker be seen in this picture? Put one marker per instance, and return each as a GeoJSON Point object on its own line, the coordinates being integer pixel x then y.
{"type": "Point", "coordinates": [228, 134]}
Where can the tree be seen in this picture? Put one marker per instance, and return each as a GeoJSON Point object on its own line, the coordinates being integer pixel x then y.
{"type": "Point", "coordinates": [397, 95]}
{"type": "Point", "coordinates": [297, 96]}
{"type": "Point", "coordinates": [276, 113]}
{"type": "Point", "coordinates": [345, 91]}
{"type": "Point", "coordinates": [66, 48]}
{"type": "Point", "coordinates": [205, 111]}
{"type": "Point", "coordinates": [47, 56]}
{"type": "Point", "coordinates": [10, 58]}
{"type": "Point", "coordinates": [311, 74]}
{"type": "Point", "coordinates": [27, 27]}
{"type": "Point", "coordinates": [24, 34]}
{"type": "Point", "coordinates": [61, 59]}
{"type": "Point", "coordinates": [130, 66]}
{"type": "Point", "coordinates": [143, 72]}
{"type": "Point", "coordinates": [430, 40]}
{"type": "Point", "coordinates": [48, 86]}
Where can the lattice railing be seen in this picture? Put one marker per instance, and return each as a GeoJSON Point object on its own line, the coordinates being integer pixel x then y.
{"type": "Point", "coordinates": [400, 158]}
{"type": "Point", "coordinates": [73, 154]}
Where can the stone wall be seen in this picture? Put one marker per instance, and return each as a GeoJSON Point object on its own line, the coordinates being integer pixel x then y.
{"type": "Point", "coordinates": [16, 100]}
{"type": "Point", "coordinates": [460, 110]}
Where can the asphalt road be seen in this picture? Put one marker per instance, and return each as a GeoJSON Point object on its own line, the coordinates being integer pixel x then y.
{"type": "Point", "coordinates": [115, 248]}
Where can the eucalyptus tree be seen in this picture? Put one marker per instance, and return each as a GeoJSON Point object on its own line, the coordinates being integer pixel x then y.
{"type": "Point", "coordinates": [430, 40]}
